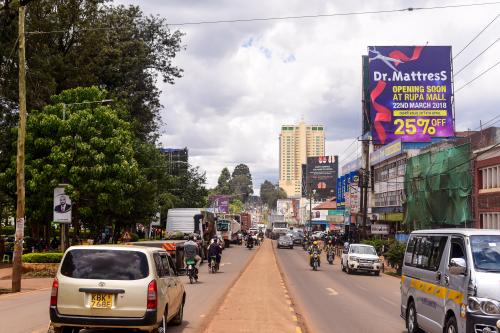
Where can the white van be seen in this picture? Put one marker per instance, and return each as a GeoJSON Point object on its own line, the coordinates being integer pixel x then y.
{"type": "Point", "coordinates": [451, 281]}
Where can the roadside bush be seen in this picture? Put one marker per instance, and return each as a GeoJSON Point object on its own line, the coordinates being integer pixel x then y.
{"type": "Point", "coordinates": [395, 255]}
{"type": "Point", "coordinates": [378, 244]}
{"type": "Point", "coordinates": [8, 230]}
{"type": "Point", "coordinates": [45, 258]}
{"type": "Point", "coordinates": [174, 235]}
{"type": "Point", "coordinates": [134, 237]}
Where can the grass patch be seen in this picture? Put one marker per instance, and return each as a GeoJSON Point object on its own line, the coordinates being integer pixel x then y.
{"type": "Point", "coordinates": [393, 274]}
{"type": "Point", "coordinates": [38, 274]}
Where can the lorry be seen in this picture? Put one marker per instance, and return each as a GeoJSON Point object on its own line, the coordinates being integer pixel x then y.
{"type": "Point", "coordinates": [246, 221]}
{"type": "Point", "coordinates": [278, 225]}
{"type": "Point", "coordinates": [228, 229]}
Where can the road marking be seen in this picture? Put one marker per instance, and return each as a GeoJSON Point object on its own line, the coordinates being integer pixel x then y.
{"type": "Point", "coordinates": [203, 316]}
{"type": "Point", "coordinates": [295, 318]}
{"type": "Point", "coordinates": [291, 309]}
{"type": "Point", "coordinates": [332, 291]}
{"type": "Point", "coordinates": [388, 301]}
{"type": "Point", "coordinates": [362, 288]}
{"type": "Point", "coordinates": [298, 330]}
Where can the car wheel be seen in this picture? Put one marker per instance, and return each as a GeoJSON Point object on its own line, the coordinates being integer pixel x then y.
{"type": "Point", "coordinates": [63, 330]}
{"type": "Point", "coordinates": [349, 270]}
{"type": "Point", "coordinates": [163, 324]}
{"type": "Point", "coordinates": [377, 273]}
{"type": "Point", "coordinates": [178, 317]}
{"type": "Point", "coordinates": [411, 319]}
{"type": "Point", "coordinates": [451, 325]}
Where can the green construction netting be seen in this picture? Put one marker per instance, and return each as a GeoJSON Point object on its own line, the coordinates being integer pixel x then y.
{"type": "Point", "coordinates": [438, 186]}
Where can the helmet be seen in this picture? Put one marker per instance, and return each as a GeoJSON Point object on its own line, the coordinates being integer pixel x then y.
{"type": "Point", "coordinates": [330, 241]}
{"type": "Point", "coordinates": [315, 243]}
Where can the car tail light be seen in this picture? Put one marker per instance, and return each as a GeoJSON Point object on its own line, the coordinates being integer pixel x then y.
{"type": "Point", "coordinates": [152, 295]}
{"type": "Point", "coordinates": [53, 294]}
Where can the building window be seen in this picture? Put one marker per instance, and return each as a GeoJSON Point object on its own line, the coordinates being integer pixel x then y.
{"type": "Point", "coordinates": [490, 220]}
{"type": "Point", "coordinates": [490, 177]}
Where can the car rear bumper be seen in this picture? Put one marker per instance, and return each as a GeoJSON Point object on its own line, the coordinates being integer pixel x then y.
{"type": "Point", "coordinates": [58, 319]}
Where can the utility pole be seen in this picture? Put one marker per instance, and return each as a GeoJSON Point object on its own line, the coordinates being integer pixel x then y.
{"type": "Point", "coordinates": [21, 135]}
{"type": "Point", "coordinates": [365, 179]}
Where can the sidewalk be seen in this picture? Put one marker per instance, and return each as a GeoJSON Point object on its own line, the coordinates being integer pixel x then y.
{"type": "Point", "coordinates": [26, 284]}
{"type": "Point", "coordinates": [258, 301]}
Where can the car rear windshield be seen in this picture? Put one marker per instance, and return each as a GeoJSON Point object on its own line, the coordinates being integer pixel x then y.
{"type": "Point", "coordinates": [105, 264]}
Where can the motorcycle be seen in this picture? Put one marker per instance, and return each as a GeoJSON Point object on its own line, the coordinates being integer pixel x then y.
{"type": "Point", "coordinates": [330, 256]}
{"type": "Point", "coordinates": [315, 260]}
{"type": "Point", "coordinates": [191, 271]}
{"type": "Point", "coordinates": [249, 245]}
{"type": "Point", "coordinates": [213, 267]}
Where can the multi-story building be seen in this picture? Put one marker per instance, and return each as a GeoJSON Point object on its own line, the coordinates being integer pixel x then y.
{"type": "Point", "coordinates": [297, 143]}
{"type": "Point", "coordinates": [177, 160]}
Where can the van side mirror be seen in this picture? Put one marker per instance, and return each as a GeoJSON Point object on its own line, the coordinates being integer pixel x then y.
{"type": "Point", "coordinates": [458, 266]}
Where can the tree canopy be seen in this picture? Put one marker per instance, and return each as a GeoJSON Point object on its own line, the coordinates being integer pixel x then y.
{"type": "Point", "coordinates": [241, 182]}
{"type": "Point", "coordinates": [270, 193]}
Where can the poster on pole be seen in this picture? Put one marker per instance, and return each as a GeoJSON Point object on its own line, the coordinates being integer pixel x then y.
{"type": "Point", "coordinates": [62, 205]}
{"type": "Point", "coordinates": [322, 173]}
{"type": "Point", "coordinates": [220, 203]}
{"type": "Point", "coordinates": [410, 91]}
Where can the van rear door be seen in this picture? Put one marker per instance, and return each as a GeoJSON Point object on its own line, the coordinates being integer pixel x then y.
{"type": "Point", "coordinates": [103, 282]}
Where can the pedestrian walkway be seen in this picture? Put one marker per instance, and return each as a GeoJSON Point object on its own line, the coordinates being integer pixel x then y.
{"type": "Point", "coordinates": [258, 301]}
{"type": "Point", "coordinates": [26, 284]}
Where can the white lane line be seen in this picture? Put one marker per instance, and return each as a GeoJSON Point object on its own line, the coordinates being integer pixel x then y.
{"type": "Point", "coordinates": [388, 301]}
{"type": "Point", "coordinates": [362, 288]}
{"type": "Point", "coordinates": [332, 292]}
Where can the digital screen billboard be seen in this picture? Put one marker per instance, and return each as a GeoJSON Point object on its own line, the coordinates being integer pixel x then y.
{"type": "Point", "coordinates": [322, 173]}
{"type": "Point", "coordinates": [410, 93]}
{"type": "Point", "coordinates": [220, 203]}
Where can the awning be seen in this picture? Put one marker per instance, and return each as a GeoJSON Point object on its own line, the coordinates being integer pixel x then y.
{"type": "Point", "coordinates": [320, 222]}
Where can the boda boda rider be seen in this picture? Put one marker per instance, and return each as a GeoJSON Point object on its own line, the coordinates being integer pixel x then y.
{"type": "Point", "coordinates": [314, 248]}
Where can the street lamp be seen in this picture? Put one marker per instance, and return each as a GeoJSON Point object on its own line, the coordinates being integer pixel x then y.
{"type": "Point", "coordinates": [311, 192]}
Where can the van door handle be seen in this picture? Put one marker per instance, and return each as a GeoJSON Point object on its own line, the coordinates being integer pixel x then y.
{"type": "Point", "coordinates": [438, 276]}
{"type": "Point", "coordinates": [446, 279]}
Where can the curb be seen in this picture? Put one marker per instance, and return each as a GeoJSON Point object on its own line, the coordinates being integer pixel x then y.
{"type": "Point", "coordinates": [206, 322]}
{"type": "Point", "coordinates": [302, 326]}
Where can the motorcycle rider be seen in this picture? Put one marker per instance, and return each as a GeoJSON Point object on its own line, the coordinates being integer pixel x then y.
{"type": "Point", "coordinates": [214, 250]}
{"type": "Point", "coordinates": [314, 248]}
{"type": "Point", "coordinates": [191, 252]}
{"type": "Point", "coordinates": [329, 247]}
{"type": "Point", "coordinates": [250, 240]}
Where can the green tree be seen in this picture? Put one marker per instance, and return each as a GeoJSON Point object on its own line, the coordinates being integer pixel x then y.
{"type": "Point", "coordinates": [241, 182]}
{"type": "Point", "coordinates": [224, 183]}
{"type": "Point", "coordinates": [190, 189]}
{"type": "Point", "coordinates": [87, 146]}
{"type": "Point", "coordinates": [269, 193]}
{"type": "Point", "coordinates": [236, 206]}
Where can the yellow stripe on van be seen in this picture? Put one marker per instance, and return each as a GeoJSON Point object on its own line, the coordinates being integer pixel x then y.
{"type": "Point", "coordinates": [440, 292]}
{"type": "Point", "coordinates": [455, 296]}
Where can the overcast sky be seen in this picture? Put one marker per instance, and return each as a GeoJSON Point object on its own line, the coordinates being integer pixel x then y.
{"type": "Point", "coordinates": [242, 81]}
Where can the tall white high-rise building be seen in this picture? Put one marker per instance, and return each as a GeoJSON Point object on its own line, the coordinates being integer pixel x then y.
{"type": "Point", "coordinates": [297, 143]}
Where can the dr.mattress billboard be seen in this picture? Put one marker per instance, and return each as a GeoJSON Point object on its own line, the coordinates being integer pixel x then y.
{"type": "Point", "coordinates": [410, 93]}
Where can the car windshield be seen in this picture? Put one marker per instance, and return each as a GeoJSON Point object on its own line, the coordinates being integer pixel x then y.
{"type": "Point", "coordinates": [363, 250]}
{"type": "Point", "coordinates": [285, 238]}
{"type": "Point", "coordinates": [105, 264]}
{"type": "Point", "coordinates": [486, 252]}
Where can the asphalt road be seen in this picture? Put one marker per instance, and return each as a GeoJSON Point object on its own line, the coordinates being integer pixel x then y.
{"type": "Point", "coordinates": [28, 312]}
{"type": "Point", "coordinates": [333, 301]}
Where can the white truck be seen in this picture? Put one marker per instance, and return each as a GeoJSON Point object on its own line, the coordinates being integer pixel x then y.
{"type": "Point", "coordinates": [228, 229]}
{"type": "Point", "coordinates": [185, 220]}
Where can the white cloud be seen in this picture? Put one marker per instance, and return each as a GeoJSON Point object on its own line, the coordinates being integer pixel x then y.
{"type": "Point", "coordinates": [243, 80]}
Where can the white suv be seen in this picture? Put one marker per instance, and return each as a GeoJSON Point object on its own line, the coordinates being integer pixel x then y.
{"type": "Point", "coordinates": [360, 257]}
{"type": "Point", "coordinates": [116, 287]}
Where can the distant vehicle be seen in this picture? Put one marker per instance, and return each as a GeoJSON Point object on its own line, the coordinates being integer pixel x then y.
{"type": "Point", "coordinates": [450, 281]}
{"type": "Point", "coordinates": [318, 234]}
{"type": "Point", "coordinates": [278, 229]}
{"type": "Point", "coordinates": [360, 257]}
{"type": "Point", "coordinates": [116, 287]}
{"type": "Point", "coordinates": [297, 237]}
{"type": "Point", "coordinates": [228, 229]}
{"type": "Point", "coordinates": [285, 241]}
{"type": "Point", "coordinates": [186, 220]}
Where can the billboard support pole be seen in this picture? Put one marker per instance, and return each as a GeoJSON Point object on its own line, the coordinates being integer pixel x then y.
{"type": "Point", "coordinates": [365, 177]}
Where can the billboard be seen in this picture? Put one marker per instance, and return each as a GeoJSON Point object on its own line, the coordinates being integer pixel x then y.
{"type": "Point", "coordinates": [410, 93]}
{"type": "Point", "coordinates": [220, 203]}
{"type": "Point", "coordinates": [322, 173]}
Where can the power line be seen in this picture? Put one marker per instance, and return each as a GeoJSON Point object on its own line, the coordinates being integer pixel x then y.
{"type": "Point", "coordinates": [282, 18]}
{"type": "Point", "coordinates": [477, 77]}
{"type": "Point", "coordinates": [473, 39]}
{"type": "Point", "coordinates": [480, 54]}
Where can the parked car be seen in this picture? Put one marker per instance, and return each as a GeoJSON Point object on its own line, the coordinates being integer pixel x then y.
{"type": "Point", "coordinates": [318, 234]}
{"type": "Point", "coordinates": [360, 257]}
{"type": "Point", "coordinates": [116, 287]}
{"type": "Point", "coordinates": [285, 241]}
{"type": "Point", "coordinates": [449, 281]}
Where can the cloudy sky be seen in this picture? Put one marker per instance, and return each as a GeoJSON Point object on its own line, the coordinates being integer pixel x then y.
{"type": "Point", "coordinates": [242, 81]}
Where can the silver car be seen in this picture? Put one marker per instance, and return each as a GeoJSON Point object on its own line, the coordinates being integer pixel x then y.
{"type": "Point", "coordinates": [451, 281]}
{"type": "Point", "coordinates": [116, 287]}
{"type": "Point", "coordinates": [285, 241]}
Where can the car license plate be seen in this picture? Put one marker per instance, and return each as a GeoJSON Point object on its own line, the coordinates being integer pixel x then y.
{"type": "Point", "coordinates": [101, 301]}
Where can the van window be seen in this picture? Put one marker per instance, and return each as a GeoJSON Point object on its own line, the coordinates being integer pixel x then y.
{"type": "Point", "coordinates": [166, 266]}
{"type": "Point", "coordinates": [105, 264]}
{"type": "Point", "coordinates": [457, 249]}
{"type": "Point", "coordinates": [425, 252]}
{"type": "Point", "coordinates": [160, 269]}
{"type": "Point", "coordinates": [486, 252]}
